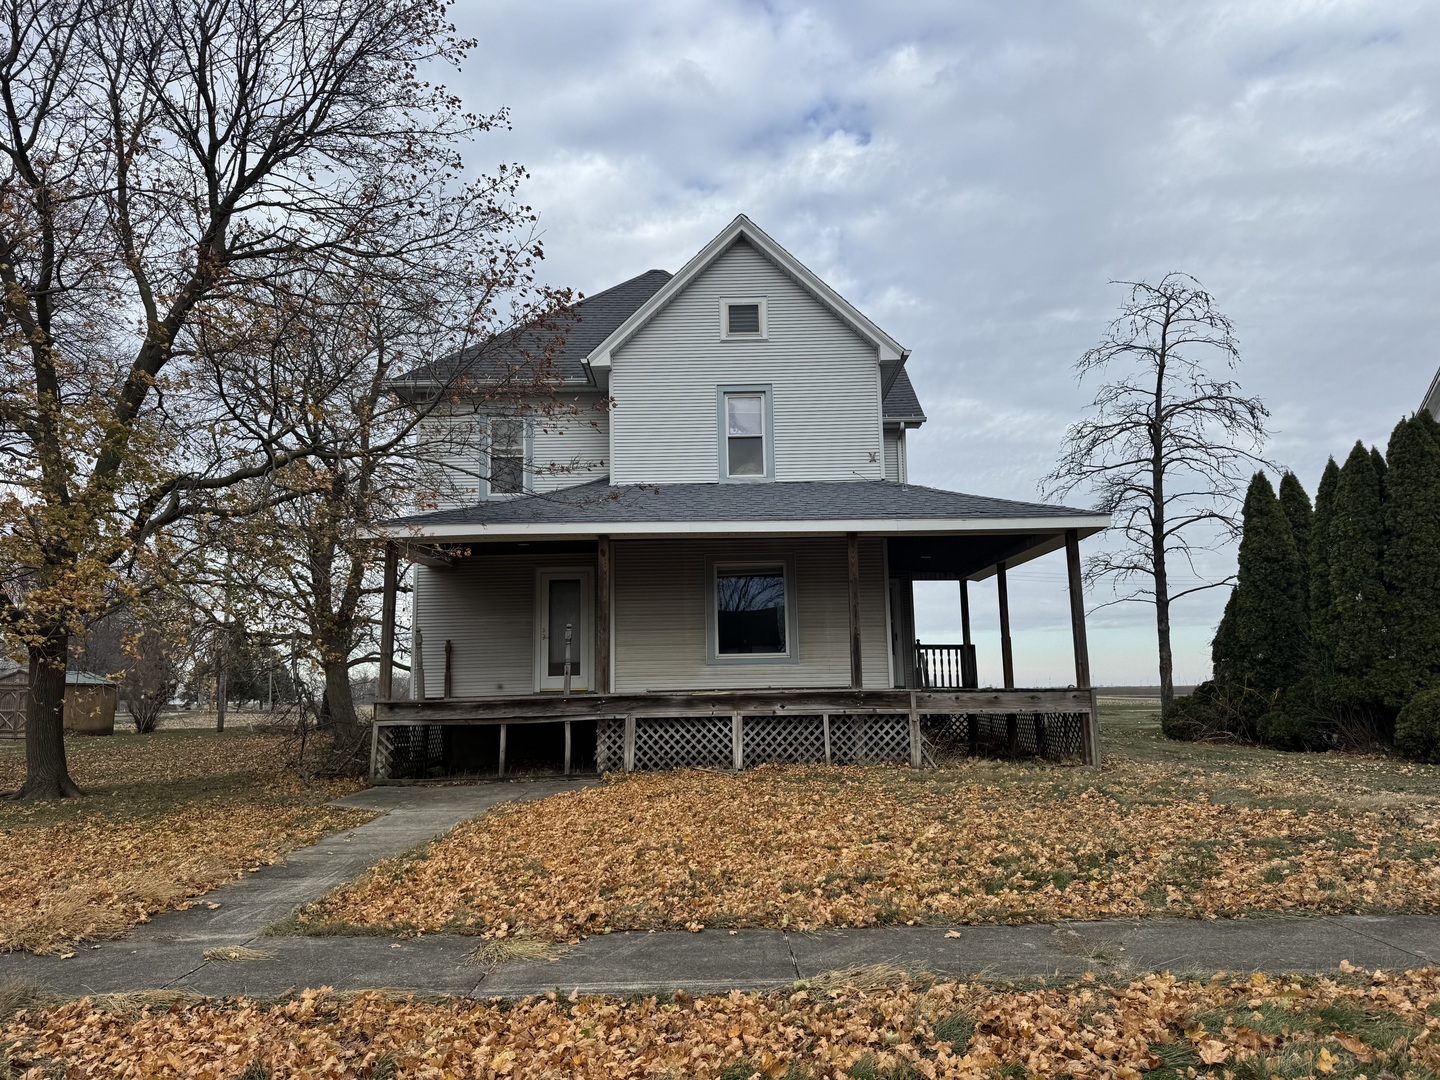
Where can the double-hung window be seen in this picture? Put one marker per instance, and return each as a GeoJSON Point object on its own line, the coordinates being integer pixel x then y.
{"type": "Point", "coordinates": [752, 616]}
{"type": "Point", "coordinates": [745, 448]}
{"type": "Point", "coordinates": [507, 455]}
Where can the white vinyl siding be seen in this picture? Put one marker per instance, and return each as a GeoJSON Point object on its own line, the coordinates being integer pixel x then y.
{"type": "Point", "coordinates": [564, 450]}
{"type": "Point", "coordinates": [661, 605]}
{"type": "Point", "coordinates": [825, 380]}
{"type": "Point", "coordinates": [893, 437]}
{"type": "Point", "coordinates": [485, 606]}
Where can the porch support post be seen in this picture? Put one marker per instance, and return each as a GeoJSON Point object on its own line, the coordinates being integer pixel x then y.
{"type": "Point", "coordinates": [501, 770]}
{"type": "Point", "coordinates": [630, 742]}
{"type": "Point", "coordinates": [602, 615]}
{"type": "Point", "coordinates": [825, 726]}
{"type": "Point", "coordinates": [737, 741]}
{"type": "Point", "coordinates": [969, 672]}
{"type": "Point", "coordinates": [567, 747]}
{"type": "Point", "coordinates": [1090, 733]}
{"type": "Point", "coordinates": [1007, 658]}
{"type": "Point", "coordinates": [857, 674]}
{"type": "Point", "coordinates": [385, 683]}
{"type": "Point", "coordinates": [915, 759]}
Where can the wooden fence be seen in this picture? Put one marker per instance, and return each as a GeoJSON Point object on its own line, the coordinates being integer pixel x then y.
{"type": "Point", "coordinates": [12, 710]}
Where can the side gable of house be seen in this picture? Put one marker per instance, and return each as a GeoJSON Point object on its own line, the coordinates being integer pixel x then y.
{"type": "Point", "coordinates": [822, 380]}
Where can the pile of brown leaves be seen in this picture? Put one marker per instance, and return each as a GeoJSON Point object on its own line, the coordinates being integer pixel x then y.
{"type": "Point", "coordinates": [167, 818]}
{"type": "Point", "coordinates": [811, 847]}
{"type": "Point", "coordinates": [1385, 1025]}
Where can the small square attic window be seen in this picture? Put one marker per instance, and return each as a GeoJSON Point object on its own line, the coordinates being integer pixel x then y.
{"type": "Point", "coordinates": [742, 318]}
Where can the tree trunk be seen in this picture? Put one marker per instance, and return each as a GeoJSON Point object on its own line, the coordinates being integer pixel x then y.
{"type": "Point", "coordinates": [339, 701]}
{"type": "Point", "coordinates": [46, 775]}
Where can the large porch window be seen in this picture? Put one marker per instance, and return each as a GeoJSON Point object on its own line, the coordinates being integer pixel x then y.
{"type": "Point", "coordinates": [752, 611]}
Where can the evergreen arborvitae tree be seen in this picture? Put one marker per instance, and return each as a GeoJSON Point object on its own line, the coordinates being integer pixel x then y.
{"type": "Point", "coordinates": [1222, 646]}
{"type": "Point", "coordinates": [1410, 562]}
{"type": "Point", "coordinates": [1269, 630]}
{"type": "Point", "coordinates": [1355, 621]}
{"type": "Point", "coordinates": [1298, 512]}
{"type": "Point", "coordinates": [1322, 595]}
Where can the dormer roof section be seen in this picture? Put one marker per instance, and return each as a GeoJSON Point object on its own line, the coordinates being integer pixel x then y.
{"type": "Point", "coordinates": [890, 352]}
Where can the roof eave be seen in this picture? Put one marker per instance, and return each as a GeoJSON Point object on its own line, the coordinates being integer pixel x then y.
{"type": "Point", "coordinates": [462, 532]}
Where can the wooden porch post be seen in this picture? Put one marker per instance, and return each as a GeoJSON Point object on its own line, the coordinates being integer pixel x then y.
{"type": "Point", "coordinates": [384, 688]}
{"type": "Point", "coordinates": [969, 671]}
{"type": "Point", "coordinates": [1007, 658]}
{"type": "Point", "coordinates": [602, 615]}
{"type": "Point", "coordinates": [1091, 732]}
{"type": "Point", "coordinates": [857, 673]}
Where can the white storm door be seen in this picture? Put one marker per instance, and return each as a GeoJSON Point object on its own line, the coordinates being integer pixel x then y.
{"type": "Point", "coordinates": [564, 600]}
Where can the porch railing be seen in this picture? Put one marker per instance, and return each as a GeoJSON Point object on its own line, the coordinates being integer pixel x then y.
{"type": "Point", "coordinates": [945, 667]}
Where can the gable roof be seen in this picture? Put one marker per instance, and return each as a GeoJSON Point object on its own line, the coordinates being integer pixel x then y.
{"type": "Point", "coordinates": [585, 324]}
{"type": "Point", "coordinates": [892, 354]}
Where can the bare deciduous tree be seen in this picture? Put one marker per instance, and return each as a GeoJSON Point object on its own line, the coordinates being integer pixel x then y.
{"type": "Point", "coordinates": [1167, 446]}
{"type": "Point", "coordinates": [162, 163]}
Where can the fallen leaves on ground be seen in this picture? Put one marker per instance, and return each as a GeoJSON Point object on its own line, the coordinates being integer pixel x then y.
{"type": "Point", "coordinates": [810, 847]}
{"type": "Point", "coordinates": [167, 817]}
{"type": "Point", "coordinates": [1385, 1025]}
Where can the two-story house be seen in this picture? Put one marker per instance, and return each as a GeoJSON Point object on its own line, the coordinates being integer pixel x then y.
{"type": "Point", "coordinates": [719, 571]}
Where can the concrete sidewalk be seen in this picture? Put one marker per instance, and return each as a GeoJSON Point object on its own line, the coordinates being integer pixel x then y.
{"type": "Point", "coordinates": [718, 960]}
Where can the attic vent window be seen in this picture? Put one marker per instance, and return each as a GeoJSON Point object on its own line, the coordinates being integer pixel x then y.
{"type": "Point", "coordinates": [742, 317]}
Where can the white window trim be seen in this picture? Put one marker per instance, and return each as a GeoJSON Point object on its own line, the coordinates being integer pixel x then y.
{"type": "Point", "coordinates": [527, 442]}
{"type": "Point", "coordinates": [726, 301]}
{"type": "Point", "coordinates": [713, 566]}
{"type": "Point", "coordinates": [722, 432]}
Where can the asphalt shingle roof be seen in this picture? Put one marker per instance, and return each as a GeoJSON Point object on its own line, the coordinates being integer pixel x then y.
{"type": "Point", "coordinates": [900, 401]}
{"type": "Point", "coordinates": [811, 500]}
{"type": "Point", "coordinates": [593, 320]}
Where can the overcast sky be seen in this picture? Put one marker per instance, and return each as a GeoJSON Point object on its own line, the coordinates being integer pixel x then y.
{"type": "Point", "coordinates": [972, 175]}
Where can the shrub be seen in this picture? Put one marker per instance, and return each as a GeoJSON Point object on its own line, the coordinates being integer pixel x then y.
{"type": "Point", "coordinates": [1189, 718]}
{"type": "Point", "coordinates": [1417, 729]}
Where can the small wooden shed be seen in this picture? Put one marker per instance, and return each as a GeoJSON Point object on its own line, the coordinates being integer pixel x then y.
{"type": "Point", "coordinates": [90, 702]}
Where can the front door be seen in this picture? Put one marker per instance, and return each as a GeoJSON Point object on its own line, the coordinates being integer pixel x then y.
{"type": "Point", "coordinates": [564, 623]}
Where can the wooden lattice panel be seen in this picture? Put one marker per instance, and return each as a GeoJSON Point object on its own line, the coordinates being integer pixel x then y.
{"type": "Point", "coordinates": [699, 742]}
{"type": "Point", "coordinates": [791, 739]}
{"type": "Point", "coordinates": [876, 739]}
{"type": "Point", "coordinates": [408, 751]}
{"type": "Point", "coordinates": [1056, 736]}
{"type": "Point", "coordinates": [610, 745]}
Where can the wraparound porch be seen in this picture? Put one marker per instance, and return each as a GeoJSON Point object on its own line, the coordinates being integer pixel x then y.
{"type": "Point", "coordinates": [413, 739]}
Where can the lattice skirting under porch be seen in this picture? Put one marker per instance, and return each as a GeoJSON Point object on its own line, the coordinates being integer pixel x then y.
{"type": "Point", "coordinates": [408, 751]}
{"type": "Point", "coordinates": [841, 739]}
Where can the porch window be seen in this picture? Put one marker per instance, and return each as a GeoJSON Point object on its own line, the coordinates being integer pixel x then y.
{"type": "Point", "coordinates": [745, 450]}
{"type": "Point", "coordinates": [507, 455]}
{"type": "Point", "coordinates": [752, 611]}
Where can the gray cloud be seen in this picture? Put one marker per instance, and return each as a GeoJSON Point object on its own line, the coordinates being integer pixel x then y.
{"type": "Point", "coordinates": [972, 174]}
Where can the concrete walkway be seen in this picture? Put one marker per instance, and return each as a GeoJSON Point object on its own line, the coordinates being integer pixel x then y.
{"type": "Point", "coordinates": [168, 951]}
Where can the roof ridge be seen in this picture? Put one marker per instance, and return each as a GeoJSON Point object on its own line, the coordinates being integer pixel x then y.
{"type": "Point", "coordinates": [620, 285]}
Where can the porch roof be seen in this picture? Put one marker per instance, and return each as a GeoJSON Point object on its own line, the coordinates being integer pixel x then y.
{"type": "Point", "coordinates": [798, 507]}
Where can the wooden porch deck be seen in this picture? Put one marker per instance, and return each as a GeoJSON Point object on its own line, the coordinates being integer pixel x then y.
{"type": "Point", "coordinates": [739, 711]}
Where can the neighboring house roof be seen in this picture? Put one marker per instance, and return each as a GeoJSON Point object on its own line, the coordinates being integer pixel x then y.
{"type": "Point", "coordinates": [589, 322]}
{"type": "Point", "coordinates": [901, 403]}
{"type": "Point", "coordinates": [891, 353]}
{"type": "Point", "coordinates": [13, 672]}
{"type": "Point", "coordinates": [1432, 397]}
{"type": "Point", "coordinates": [798, 506]}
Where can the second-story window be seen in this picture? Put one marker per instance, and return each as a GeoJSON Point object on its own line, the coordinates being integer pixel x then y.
{"type": "Point", "coordinates": [745, 451]}
{"type": "Point", "coordinates": [507, 455]}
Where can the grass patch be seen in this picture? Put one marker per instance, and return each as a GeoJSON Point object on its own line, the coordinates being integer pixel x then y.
{"type": "Point", "coordinates": [236, 954]}
{"type": "Point", "coordinates": [1164, 828]}
{"type": "Point", "coordinates": [166, 818]}
{"type": "Point", "coordinates": [513, 951]}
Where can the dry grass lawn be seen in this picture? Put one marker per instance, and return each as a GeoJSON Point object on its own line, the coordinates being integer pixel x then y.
{"type": "Point", "coordinates": [1245, 1028]}
{"type": "Point", "coordinates": [167, 817]}
{"type": "Point", "coordinates": [1191, 831]}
